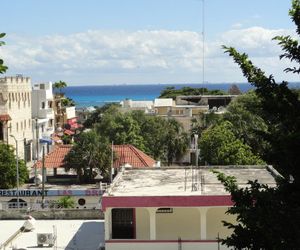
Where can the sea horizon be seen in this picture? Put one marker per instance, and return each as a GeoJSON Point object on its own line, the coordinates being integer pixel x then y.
{"type": "Point", "coordinates": [99, 95]}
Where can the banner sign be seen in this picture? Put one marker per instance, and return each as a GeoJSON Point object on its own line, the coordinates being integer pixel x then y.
{"type": "Point", "coordinates": [50, 192]}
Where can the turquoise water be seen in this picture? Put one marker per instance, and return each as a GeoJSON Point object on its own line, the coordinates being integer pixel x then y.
{"type": "Point", "coordinates": [85, 96]}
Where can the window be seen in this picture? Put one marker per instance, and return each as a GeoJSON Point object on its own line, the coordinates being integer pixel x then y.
{"type": "Point", "coordinates": [43, 105]}
{"type": "Point", "coordinates": [17, 127]}
{"type": "Point", "coordinates": [165, 210]}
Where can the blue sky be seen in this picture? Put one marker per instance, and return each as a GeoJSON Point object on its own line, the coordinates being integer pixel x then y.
{"type": "Point", "coordinates": [145, 41]}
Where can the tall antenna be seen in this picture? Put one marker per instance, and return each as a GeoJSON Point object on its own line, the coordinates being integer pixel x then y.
{"type": "Point", "coordinates": [203, 40]}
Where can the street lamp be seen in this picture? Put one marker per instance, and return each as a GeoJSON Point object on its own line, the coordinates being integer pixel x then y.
{"type": "Point", "coordinates": [17, 162]}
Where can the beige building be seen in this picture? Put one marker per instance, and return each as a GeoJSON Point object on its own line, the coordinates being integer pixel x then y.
{"type": "Point", "coordinates": [172, 208]}
{"type": "Point", "coordinates": [15, 113]}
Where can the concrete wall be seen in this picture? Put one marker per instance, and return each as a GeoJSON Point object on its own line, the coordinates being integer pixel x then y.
{"type": "Point", "coordinates": [53, 214]}
{"type": "Point", "coordinates": [214, 218]}
{"type": "Point", "coordinates": [142, 224]}
{"type": "Point", "coordinates": [183, 222]}
{"type": "Point", "coordinates": [148, 245]}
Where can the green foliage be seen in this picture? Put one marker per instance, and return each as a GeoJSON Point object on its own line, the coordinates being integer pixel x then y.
{"type": "Point", "coordinates": [219, 146]}
{"type": "Point", "coordinates": [171, 92]}
{"type": "Point", "coordinates": [8, 169]}
{"type": "Point", "coordinates": [96, 115]}
{"type": "Point", "coordinates": [260, 216]}
{"type": "Point", "coordinates": [90, 153]}
{"type": "Point", "coordinates": [67, 139]}
{"type": "Point", "coordinates": [3, 68]}
{"type": "Point", "coordinates": [59, 85]}
{"type": "Point", "coordinates": [245, 114]}
{"type": "Point", "coordinates": [67, 102]}
{"type": "Point", "coordinates": [66, 202]}
{"type": "Point", "coordinates": [163, 139]}
{"type": "Point", "coordinates": [176, 141]}
{"type": "Point", "coordinates": [121, 128]}
{"type": "Point", "coordinates": [268, 217]}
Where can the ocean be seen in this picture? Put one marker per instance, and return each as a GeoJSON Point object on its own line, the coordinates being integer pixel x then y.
{"type": "Point", "coordinates": [85, 96]}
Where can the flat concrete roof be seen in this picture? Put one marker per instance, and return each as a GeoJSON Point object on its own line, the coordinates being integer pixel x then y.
{"type": "Point", "coordinates": [178, 181]}
{"type": "Point", "coordinates": [71, 234]}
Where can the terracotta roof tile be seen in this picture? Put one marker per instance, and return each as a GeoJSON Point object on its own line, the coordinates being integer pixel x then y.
{"type": "Point", "coordinates": [55, 158]}
{"type": "Point", "coordinates": [128, 154]}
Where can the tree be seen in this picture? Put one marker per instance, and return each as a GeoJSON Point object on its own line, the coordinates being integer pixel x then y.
{"type": "Point", "coordinates": [268, 217]}
{"type": "Point", "coordinates": [244, 113]}
{"type": "Point", "coordinates": [219, 146]}
{"type": "Point", "coordinates": [176, 141]}
{"type": "Point", "coordinates": [3, 68]}
{"type": "Point", "coordinates": [66, 202]}
{"type": "Point", "coordinates": [8, 169]}
{"type": "Point", "coordinates": [60, 85]}
{"type": "Point", "coordinates": [171, 92]}
{"type": "Point", "coordinates": [120, 128]}
{"type": "Point", "coordinates": [67, 102]}
{"type": "Point", "coordinates": [91, 153]}
{"type": "Point", "coordinates": [95, 116]}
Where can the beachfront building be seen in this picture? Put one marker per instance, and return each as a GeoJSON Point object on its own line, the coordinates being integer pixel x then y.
{"type": "Point", "coordinates": [172, 208]}
{"type": "Point", "coordinates": [42, 115]}
{"type": "Point", "coordinates": [15, 114]}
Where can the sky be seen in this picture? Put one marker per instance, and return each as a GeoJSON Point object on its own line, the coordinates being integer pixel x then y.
{"type": "Point", "coordinates": [142, 41]}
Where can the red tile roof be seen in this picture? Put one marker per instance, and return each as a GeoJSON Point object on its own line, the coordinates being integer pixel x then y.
{"type": "Point", "coordinates": [128, 154]}
{"type": "Point", "coordinates": [55, 158]}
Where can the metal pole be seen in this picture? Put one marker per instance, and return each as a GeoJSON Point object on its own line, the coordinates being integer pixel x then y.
{"type": "Point", "coordinates": [37, 150]}
{"type": "Point", "coordinates": [43, 179]}
{"type": "Point", "coordinates": [17, 161]}
{"type": "Point", "coordinates": [112, 161]}
{"type": "Point", "coordinates": [203, 41]}
{"type": "Point", "coordinates": [17, 166]}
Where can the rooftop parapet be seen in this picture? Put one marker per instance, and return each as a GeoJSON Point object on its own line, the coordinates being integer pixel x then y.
{"type": "Point", "coordinates": [15, 79]}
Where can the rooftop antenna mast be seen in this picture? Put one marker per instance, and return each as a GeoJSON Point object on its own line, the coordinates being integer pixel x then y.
{"type": "Point", "coordinates": [203, 43]}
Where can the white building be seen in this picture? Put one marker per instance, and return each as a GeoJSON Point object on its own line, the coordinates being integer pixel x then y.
{"type": "Point", "coordinates": [42, 113]}
{"type": "Point", "coordinates": [15, 114]}
{"type": "Point", "coordinates": [173, 208]}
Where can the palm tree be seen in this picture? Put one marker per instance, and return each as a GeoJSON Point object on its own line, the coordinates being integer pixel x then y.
{"type": "Point", "coordinates": [60, 85]}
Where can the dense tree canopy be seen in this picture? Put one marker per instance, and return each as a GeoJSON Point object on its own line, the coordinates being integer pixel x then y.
{"type": "Point", "coordinates": [90, 154]}
{"type": "Point", "coordinates": [163, 139]}
{"type": "Point", "coordinates": [172, 92]}
{"type": "Point", "coordinates": [268, 217]}
{"type": "Point", "coordinates": [245, 114]}
{"type": "Point", "coordinates": [8, 169]}
{"type": "Point", "coordinates": [3, 68]}
{"type": "Point", "coordinates": [219, 146]}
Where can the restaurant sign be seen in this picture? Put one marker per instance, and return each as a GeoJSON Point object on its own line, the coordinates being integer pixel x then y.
{"type": "Point", "coordinates": [49, 192]}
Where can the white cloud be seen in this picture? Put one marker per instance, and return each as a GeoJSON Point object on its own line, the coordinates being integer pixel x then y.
{"type": "Point", "coordinates": [141, 56]}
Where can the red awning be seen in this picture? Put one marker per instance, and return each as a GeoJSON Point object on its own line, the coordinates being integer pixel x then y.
{"type": "Point", "coordinates": [5, 117]}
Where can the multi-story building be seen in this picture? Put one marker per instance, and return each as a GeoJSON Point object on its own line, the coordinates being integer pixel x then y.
{"type": "Point", "coordinates": [42, 114]}
{"type": "Point", "coordinates": [15, 114]}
